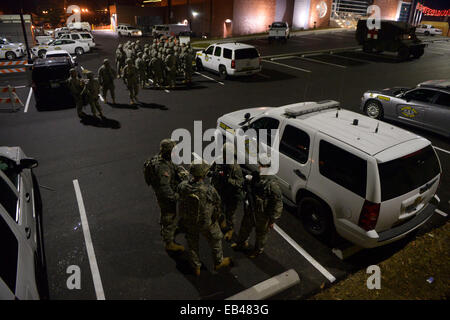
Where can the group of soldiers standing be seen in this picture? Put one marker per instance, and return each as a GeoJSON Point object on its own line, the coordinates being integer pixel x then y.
{"type": "Point", "coordinates": [158, 64]}
{"type": "Point", "coordinates": [203, 202]}
{"type": "Point", "coordinates": [87, 91]}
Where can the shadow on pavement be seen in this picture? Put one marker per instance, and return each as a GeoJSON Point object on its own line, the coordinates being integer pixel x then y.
{"type": "Point", "coordinates": [267, 75]}
{"type": "Point", "coordinates": [210, 285]}
{"type": "Point", "coordinates": [123, 106]}
{"type": "Point", "coordinates": [100, 123]}
{"type": "Point", "coordinates": [152, 106]}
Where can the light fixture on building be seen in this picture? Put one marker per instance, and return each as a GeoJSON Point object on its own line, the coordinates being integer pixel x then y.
{"type": "Point", "coordinates": [194, 14]}
{"type": "Point", "coordinates": [185, 22]}
{"type": "Point", "coordinates": [228, 21]}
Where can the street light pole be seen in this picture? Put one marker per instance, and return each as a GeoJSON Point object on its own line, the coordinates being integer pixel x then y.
{"type": "Point", "coordinates": [30, 61]}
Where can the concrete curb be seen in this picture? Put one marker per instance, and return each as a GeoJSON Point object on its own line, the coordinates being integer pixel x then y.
{"type": "Point", "coordinates": [269, 288]}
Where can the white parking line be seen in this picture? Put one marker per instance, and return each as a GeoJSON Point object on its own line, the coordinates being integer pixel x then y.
{"type": "Point", "coordinates": [89, 247]}
{"type": "Point", "coordinates": [28, 100]}
{"type": "Point", "coordinates": [441, 213]}
{"type": "Point", "coordinates": [322, 62]}
{"type": "Point", "coordinates": [282, 58]}
{"type": "Point", "coordinates": [442, 150]}
{"type": "Point", "coordinates": [443, 47]}
{"type": "Point", "coordinates": [305, 254]}
{"type": "Point", "coordinates": [167, 91]}
{"type": "Point", "coordinates": [210, 78]}
{"type": "Point", "coordinates": [435, 52]}
{"type": "Point", "coordinates": [101, 98]}
{"type": "Point", "coordinates": [287, 66]}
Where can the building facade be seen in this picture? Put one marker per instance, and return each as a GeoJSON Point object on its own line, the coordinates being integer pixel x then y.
{"type": "Point", "coordinates": [223, 18]}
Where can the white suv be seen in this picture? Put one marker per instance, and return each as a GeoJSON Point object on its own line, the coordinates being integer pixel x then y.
{"type": "Point", "coordinates": [85, 37]}
{"type": "Point", "coordinates": [125, 30]}
{"type": "Point", "coordinates": [22, 267]}
{"type": "Point", "coordinates": [230, 59]}
{"type": "Point", "coordinates": [366, 179]}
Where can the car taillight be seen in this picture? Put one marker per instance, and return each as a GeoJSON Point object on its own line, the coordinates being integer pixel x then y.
{"type": "Point", "coordinates": [369, 215]}
{"type": "Point", "coordinates": [233, 64]}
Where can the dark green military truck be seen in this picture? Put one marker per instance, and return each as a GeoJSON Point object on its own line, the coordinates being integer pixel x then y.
{"type": "Point", "coordinates": [393, 36]}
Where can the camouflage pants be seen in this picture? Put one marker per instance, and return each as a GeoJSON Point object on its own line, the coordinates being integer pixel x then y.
{"type": "Point", "coordinates": [188, 75]}
{"type": "Point", "coordinates": [133, 89]}
{"type": "Point", "coordinates": [229, 206]}
{"type": "Point", "coordinates": [158, 78]}
{"type": "Point", "coordinates": [108, 87]}
{"type": "Point", "coordinates": [95, 106]}
{"type": "Point", "coordinates": [214, 237]}
{"type": "Point", "coordinates": [171, 78]}
{"type": "Point", "coordinates": [79, 105]}
{"type": "Point", "coordinates": [261, 225]}
{"type": "Point", "coordinates": [168, 222]}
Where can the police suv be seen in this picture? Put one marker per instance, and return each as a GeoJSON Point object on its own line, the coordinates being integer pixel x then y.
{"type": "Point", "coordinates": [22, 267]}
{"type": "Point", "coordinates": [230, 59]}
{"type": "Point", "coordinates": [344, 171]}
{"type": "Point", "coordinates": [10, 50]}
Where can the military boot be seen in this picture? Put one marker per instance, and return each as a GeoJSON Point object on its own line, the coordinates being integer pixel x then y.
{"type": "Point", "coordinates": [255, 253]}
{"type": "Point", "coordinates": [226, 262]}
{"type": "Point", "coordinates": [228, 235]}
{"type": "Point", "coordinates": [240, 246]}
{"type": "Point", "coordinates": [174, 247]}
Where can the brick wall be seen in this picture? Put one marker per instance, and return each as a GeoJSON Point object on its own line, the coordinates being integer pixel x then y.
{"type": "Point", "coordinates": [388, 8]}
{"type": "Point", "coordinates": [252, 16]}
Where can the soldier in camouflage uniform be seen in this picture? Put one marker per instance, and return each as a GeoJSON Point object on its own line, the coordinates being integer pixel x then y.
{"type": "Point", "coordinates": [164, 176]}
{"type": "Point", "coordinates": [264, 208]}
{"type": "Point", "coordinates": [92, 91]}
{"type": "Point", "coordinates": [120, 60]}
{"type": "Point", "coordinates": [131, 80]}
{"type": "Point", "coordinates": [76, 86]}
{"type": "Point", "coordinates": [156, 67]}
{"type": "Point", "coordinates": [171, 69]}
{"type": "Point", "coordinates": [199, 207]}
{"type": "Point", "coordinates": [106, 76]}
{"type": "Point", "coordinates": [187, 61]}
{"type": "Point", "coordinates": [140, 66]}
{"type": "Point", "coordinates": [228, 180]}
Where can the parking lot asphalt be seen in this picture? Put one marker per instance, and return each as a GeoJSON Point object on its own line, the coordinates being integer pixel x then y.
{"type": "Point", "coordinates": [105, 160]}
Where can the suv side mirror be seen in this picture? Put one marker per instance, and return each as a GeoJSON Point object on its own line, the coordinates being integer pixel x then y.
{"type": "Point", "coordinates": [28, 163]}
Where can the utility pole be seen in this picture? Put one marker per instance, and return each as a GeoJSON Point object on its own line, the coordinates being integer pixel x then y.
{"type": "Point", "coordinates": [169, 6]}
{"type": "Point", "coordinates": [30, 61]}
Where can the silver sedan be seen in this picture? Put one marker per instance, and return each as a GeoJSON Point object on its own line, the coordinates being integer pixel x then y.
{"type": "Point", "coordinates": [426, 106]}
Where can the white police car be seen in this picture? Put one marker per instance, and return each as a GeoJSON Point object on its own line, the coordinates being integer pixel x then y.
{"type": "Point", "coordinates": [230, 59]}
{"type": "Point", "coordinates": [71, 46]}
{"type": "Point", "coordinates": [344, 171]}
{"type": "Point", "coordinates": [10, 50]}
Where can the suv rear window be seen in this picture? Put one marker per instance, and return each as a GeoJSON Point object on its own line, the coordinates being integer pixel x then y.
{"type": "Point", "coordinates": [344, 168]}
{"type": "Point", "coordinates": [410, 172]}
{"type": "Point", "coordinates": [86, 36]}
{"type": "Point", "coordinates": [45, 74]}
{"type": "Point", "coordinates": [278, 25]}
{"type": "Point", "coordinates": [249, 53]}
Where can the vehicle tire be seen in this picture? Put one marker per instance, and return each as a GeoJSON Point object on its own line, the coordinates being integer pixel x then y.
{"type": "Point", "coordinates": [367, 48]}
{"type": "Point", "coordinates": [404, 53]}
{"type": "Point", "coordinates": [10, 55]}
{"type": "Point", "coordinates": [199, 65]}
{"type": "Point", "coordinates": [427, 33]}
{"type": "Point", "coordinates": [417, 53]}
{"type": "Point", "coordinates": [316, 218]}
{"type": "Point", "coordinates": [41, 53]}
{"type": "Point", "coordinates": [374, 109]}
{"type": "Point", "coordinates": [223, 72]}
{"type": "Point", "coordinates": [79, 51]}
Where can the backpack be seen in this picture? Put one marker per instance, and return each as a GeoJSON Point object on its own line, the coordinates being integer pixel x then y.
{"type": "Point", "coordinates": [190, 204]}
{"type": "Point", "coordinates": [150, 171]}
